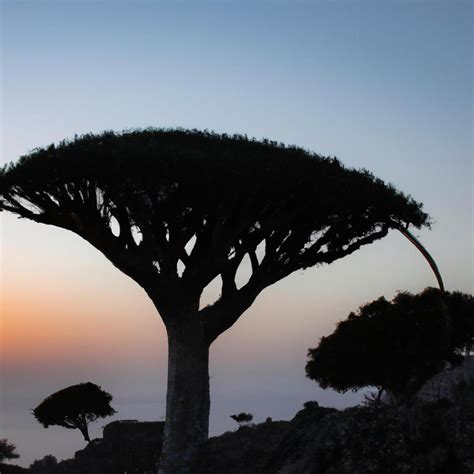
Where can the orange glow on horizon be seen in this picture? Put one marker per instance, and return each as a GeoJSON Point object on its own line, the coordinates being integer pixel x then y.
{"type": "Point", "coordinates": [54, 331]}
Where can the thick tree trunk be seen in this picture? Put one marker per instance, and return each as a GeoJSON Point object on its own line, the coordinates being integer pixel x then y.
{"type": "Point", "coordinates": [85, 432]}
{"type": "Point", "coordinates": [187, 400]}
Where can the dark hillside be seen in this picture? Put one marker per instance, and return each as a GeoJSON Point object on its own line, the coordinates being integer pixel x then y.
{"type": "Point", "coordinates": [428, 438]}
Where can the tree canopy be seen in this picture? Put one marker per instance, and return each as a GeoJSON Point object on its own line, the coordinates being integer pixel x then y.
{"type": "Point", "coordinates": [395, 345]}
{"type": "Point", "coordinates": [242, 418]}
{"type": "Point", "coordinates": [75, 407]}
{"type": "Point", "coordinates": [162, 188]}
{"type": "Point", "coordinates": [7, 450]}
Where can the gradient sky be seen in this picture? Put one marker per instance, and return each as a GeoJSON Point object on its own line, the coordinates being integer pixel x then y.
{"type": "Point", "coordinates": [382, 85]}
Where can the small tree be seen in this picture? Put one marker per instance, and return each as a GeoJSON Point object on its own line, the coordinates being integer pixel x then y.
{"type": "Point", "coordinates": [395, 346]}
{"type": "Point", "coordinates": [75, 407]}
{"type": "Point", "coordinates": [242, 418]}
{"type": "Point", "coordinates": [7, 450]}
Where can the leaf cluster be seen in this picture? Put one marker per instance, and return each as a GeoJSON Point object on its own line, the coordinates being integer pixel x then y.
{"type": "Point", "coordinates": [7, 450]}
{"type": "Point", "coordinates": [191, 168]}
{"type": "Point", "coordinates": [163, 188]}
{"type": "Point", "coordinates": [74, 406]}
{"type": "Point", "coordinates": [242, 418]}
{"type": "Point", "coordinates": [395, 345]}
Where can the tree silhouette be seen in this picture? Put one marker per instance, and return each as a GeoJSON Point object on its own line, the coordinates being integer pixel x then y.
{"type": "Point", "coordinates": [174, 209]}
{"type": "Point", "coordinates": [75, 407]}
{"type": "Point", "coordinates": [46, 465]}
{"type": "Point", "coordinates": [7, 450]}
{"type": "Point", "coordinates": [395, 346]}
{"type": "Point", "coordinates": [242, 418]}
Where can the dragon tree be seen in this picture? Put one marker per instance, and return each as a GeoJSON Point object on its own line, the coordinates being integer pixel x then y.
{"type": "Point", "coordinates": [174, 209]}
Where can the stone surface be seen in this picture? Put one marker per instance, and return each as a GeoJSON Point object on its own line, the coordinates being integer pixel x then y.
{"type": "Point", "coordinates": [444, 384]}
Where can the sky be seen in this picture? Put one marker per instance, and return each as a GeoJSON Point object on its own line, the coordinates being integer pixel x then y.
{"type": "Point", "coordinates": [385, 86]}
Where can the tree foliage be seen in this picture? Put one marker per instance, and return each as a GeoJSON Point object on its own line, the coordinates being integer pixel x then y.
{"type": "Point", "coordinates": [162, 188]}
{"type": "Point", "coordinates": [7, 450]}
{"type": "Point", "coordinates": [395, 345]}
{"type": "Point", "coordinates": [242, 418]}
{"type": "Point", "coordinates": [75, 407]}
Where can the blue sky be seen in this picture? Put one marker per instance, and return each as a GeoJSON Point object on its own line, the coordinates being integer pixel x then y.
{"type": "Point", "coordinates": [382, 85]}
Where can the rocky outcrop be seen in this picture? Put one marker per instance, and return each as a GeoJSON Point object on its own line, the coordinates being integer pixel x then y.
{"type": "Point", "coordinates": [444, 384]}
{"type": "Point", "coordinates": [245, 450]}
{"type": "Point", "coordinates": [128, 446]}
{"type": "Point", "coordinates": [427, 438]}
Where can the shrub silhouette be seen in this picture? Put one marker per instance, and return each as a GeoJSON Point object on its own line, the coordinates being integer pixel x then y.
{"type": "Point", "coordinates": [75, 407]}
{"type": "Point", "coordinates": [7, 450]}
{"type": "Point", "coordinates": [242, 418]}
{"type": "Point", "coordinates": [46, 465]}
{"type": "Point", "coordinates": [395, 346]}
{"type": "Point", "coordinates": [175, 209]}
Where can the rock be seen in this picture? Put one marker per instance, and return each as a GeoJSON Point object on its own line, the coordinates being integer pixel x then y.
{"type": "Point", "coordinates": [12, 469]}
{"type": "Point", "coordinates": [446, 383]}
{"type": "Point", "coordinates": [429, 438]}
{"type": "Point", "coordinates": [243, 451]}
{"type": "Point", "coordinates": [127, 446]}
